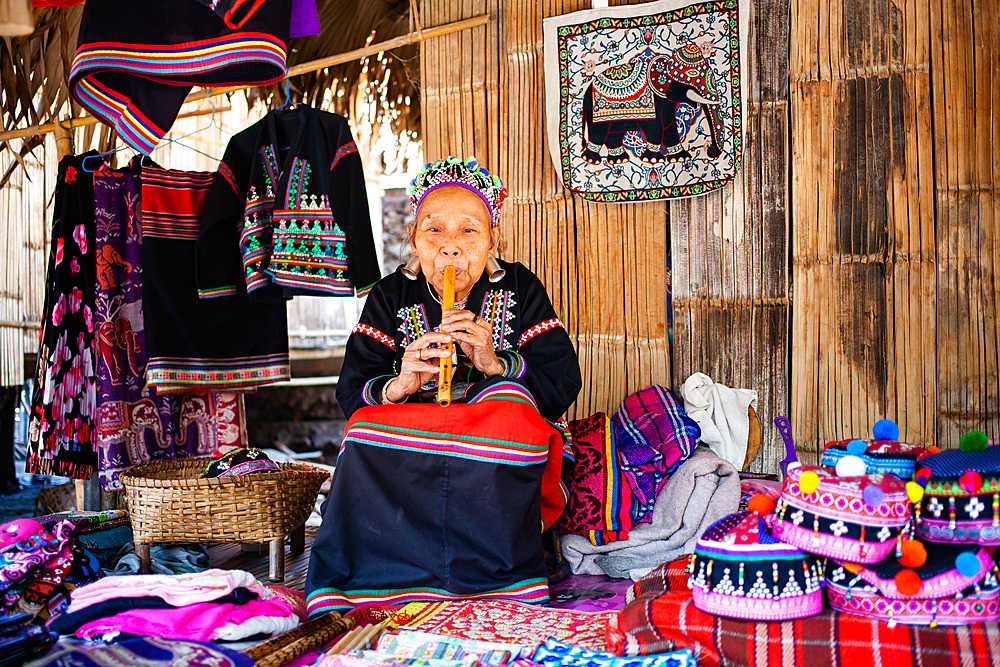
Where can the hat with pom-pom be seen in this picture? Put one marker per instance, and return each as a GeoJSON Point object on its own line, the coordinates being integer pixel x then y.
{"type": "Point", "coordinates": [455, 172]}
{"type": "Point", "coordinates": [882, 454]}
{"type": "Point", "coordinates": [856, 517]}
{"type": "Point", "coordinates": [961, 493]}
{"type": "Point", "coordinates": [740, 570]}
{"type": "Point", "coordinates": [951, 585]}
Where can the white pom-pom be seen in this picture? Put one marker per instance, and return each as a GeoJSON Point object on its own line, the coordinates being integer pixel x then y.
{"type": "Point", "coordinates": [851, 466]}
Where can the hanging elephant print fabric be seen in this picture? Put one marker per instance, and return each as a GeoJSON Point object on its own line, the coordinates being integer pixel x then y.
{"type": "Point", "coordinates": [645, 102]}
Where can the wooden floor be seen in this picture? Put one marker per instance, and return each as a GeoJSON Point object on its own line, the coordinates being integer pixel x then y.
{"type": "Point", "coordinates": [232, 557]}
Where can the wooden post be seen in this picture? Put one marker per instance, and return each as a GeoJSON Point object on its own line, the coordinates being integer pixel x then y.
{"type": "Point", "coordinates": [276, 559]}
{"type": "Point", "coordinates": [64, 141]}
{"type": "Point", "coordinates": [298, 540]}
{"type": "Point", "coordinates": [142, 551]}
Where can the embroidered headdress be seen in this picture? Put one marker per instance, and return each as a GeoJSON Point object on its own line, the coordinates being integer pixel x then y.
{"type": "Point", "coordinates": [467, 174]}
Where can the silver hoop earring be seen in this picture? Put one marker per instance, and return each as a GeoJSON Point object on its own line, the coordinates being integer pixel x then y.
{"type": "Point", "coordinates": [495, 271]}
{"type": "Point", "coordinates": [412, 268]}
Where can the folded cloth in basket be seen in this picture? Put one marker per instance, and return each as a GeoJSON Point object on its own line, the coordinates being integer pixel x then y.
{"type": "Point", "coordinates": [177, 590]}
{"type": "Point", "coordinates": [700, 492]}
{"type": "Point", "coordinates": [67, 623]}
{"type": "Point", "coordinates": [203, 621]}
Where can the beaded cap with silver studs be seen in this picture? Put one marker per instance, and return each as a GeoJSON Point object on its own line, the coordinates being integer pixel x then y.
{"type": "Point", "coordinates": [467, 173]}
{"type": "Point", "coordinates": [740, 570]}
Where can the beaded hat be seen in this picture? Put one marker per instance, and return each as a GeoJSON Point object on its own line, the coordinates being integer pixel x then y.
{"type": "Point", "coordinates": [739, 570]}
{"type": "Point", "coordinates": [882, 454]}
{"type": "Point", "coordinates": [467, 174]}
{"type": "Point", "coordinates": [241, 461]}
{"type": "Point", "coordinates": [960, 497]}
{"type": "Point", "coordinates": [857, 518]}
{"type": "Point", "coordinates": [954, 586]}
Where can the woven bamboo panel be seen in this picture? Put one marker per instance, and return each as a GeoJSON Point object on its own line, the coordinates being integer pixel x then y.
{"type": "Point", "coordinates": [169, 504]}
{"type": "Point", "coordinates": [895, 114]}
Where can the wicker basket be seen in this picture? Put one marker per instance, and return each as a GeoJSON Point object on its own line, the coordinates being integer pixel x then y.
{"type": "Point", "coordinates": [169, 504]}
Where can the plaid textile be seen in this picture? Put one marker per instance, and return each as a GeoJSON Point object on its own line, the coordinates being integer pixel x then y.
{"type": "Point", "coordinates": [654, 437]}
{"type": "Point", "coordinates": [662, 617]}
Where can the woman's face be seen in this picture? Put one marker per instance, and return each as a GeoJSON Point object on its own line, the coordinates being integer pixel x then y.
{"type": "Point", "coordinates": [453, 227]}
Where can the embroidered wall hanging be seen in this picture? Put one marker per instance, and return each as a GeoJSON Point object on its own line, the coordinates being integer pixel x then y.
{"type": "Point", "coordinates": [646, 102]}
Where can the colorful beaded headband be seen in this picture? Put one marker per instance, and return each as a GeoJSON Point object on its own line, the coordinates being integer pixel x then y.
{"type": "Point", "coordinates": [452, 171]}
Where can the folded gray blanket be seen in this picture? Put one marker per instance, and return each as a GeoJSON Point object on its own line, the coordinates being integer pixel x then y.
{"type": "Point", "coordinates": [700, 492]}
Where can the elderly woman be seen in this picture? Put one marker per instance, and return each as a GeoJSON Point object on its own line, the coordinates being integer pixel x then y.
{"type": "Point", "coordinates": [437, 503]}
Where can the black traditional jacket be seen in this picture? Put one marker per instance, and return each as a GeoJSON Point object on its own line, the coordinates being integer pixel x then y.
{"type": "Point", "coordinates": [527, 334]}
{"type": "Point", "coordinates": [288, 212]}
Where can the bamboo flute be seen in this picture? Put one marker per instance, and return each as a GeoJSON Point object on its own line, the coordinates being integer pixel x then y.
{"type": "Point", "coordinates": [444, 373]}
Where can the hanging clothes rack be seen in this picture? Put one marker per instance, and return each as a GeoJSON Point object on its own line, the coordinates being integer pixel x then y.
{"type": "Point", "coordinates": [312, 66]}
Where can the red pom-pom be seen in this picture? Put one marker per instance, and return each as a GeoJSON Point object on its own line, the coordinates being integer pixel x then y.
{"type": "Point", "coordinates": [854, 568]}
{"type": "Point", "coordinates": [934, 450]}
{"type": "Point", "coordinates": [914, 553]}
{"type": "Point", "coordinates": [760, 503]}
{"type": "Point", "coordinates": [908, 583]}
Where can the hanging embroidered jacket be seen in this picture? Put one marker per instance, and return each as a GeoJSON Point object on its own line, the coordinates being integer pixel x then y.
{"type": "Point", "coordinates": [288, 212]}
{"type": "Point", "coordinates": [227, 344]}
{"type": "Point", "coordinates": [526, 334]}
{"type": "Point", "coordinates": [136, 61]}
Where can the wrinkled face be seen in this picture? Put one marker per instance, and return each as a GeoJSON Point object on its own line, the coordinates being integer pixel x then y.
{"type": "Point", "coordinates": [453, 227]}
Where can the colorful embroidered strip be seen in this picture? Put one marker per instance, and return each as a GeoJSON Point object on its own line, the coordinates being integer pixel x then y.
{"type": "Point", "coordinates": [531, 591]}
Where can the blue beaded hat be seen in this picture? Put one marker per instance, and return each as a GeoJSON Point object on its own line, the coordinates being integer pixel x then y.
{"type": "Point", "coordinates": [882, 454]}
{"type": "Point", "coordinates": [452, 171]}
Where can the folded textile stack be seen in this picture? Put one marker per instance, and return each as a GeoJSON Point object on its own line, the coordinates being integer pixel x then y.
{"type": "Point", "coordinates": [102, 533]}
{"type": "Point", "coordinates": [622, 464]}
{"type": "Point", "coordinates": [704, 489]}
{"type": "Point", "coordinates": [409, 647]}
{"type": "Point", "coordinates": [214, 605]}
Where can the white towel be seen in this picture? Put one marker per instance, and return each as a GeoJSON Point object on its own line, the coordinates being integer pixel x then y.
{"type": "Point", "coordinates": [721, 412]}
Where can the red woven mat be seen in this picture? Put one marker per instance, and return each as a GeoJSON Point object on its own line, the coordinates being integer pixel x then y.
{"type": "Point", "coordinates": [663, 618]}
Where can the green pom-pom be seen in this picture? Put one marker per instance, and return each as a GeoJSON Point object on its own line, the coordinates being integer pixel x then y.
{"type": "Point", "coordinates": [974, 441]}
{"type": "Point", "coordinates": [453, 160]}
{"type": "Point", "coordinates": [497, 182]}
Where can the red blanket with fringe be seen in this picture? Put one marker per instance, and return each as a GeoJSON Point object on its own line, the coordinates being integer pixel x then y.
{"type": "Point", "coordinates": [662, 617]}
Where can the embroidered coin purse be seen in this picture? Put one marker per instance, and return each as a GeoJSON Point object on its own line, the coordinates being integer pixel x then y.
{"type": "Point", "coordinates": [739, 570]}
{"type": "Point", "coordinates": [857, 519]}
{"type": "Point", "coordinates": [882, 454]}
{"type": "Point", "coordinates": [960, 503]}
{"type": "Point", "coordinates": [955, 586]}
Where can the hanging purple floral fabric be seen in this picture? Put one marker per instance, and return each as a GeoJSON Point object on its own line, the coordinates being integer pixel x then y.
{"type": "Point", "coordinates": [134, 424]}
{"type": "Point", "coordinates": [61, 434]}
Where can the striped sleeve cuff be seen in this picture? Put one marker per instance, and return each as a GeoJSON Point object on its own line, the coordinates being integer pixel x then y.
{"type": "Point", "coordinates": [371, 394]}
{"type": "Point", "coordinates": [514, 362]}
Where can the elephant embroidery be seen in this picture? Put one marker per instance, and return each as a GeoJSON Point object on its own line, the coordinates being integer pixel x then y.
{"type": "Point", "coordinates": [195, 410]}
{"type": "Point", "coordinates": [643, 95]}
{"type": "Point", "coordinates": [127, 422]}
{"type": "Point", "coordinates": [107, 259]}
{"type": "Point", "coordinates": [117, 335]}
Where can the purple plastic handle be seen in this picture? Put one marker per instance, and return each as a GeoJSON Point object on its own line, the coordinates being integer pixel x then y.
{"type": "Point", "coordinates": [785, 429]}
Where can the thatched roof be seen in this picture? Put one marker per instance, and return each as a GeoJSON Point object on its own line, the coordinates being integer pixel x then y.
{"type": "Point", "coordinates": [34, 69]}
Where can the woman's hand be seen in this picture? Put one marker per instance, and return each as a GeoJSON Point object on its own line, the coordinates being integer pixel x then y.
{"type": "Point", "coordinates": [476, 339]}
{"type": "Point", "coordinates": [420, 364]}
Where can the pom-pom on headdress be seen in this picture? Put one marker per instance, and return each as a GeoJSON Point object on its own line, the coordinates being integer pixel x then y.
{"type": "Point", "coordinates": [467, 174]}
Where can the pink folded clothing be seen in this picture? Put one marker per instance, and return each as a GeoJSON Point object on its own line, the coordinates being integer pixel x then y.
{"type": "Point", "coordinates": [202, 622]}
{"type": "Point", "coordinates": [177, 590]}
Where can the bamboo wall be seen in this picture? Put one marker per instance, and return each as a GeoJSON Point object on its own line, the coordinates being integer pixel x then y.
{"type": "Point", "coordinates": [603, 264]}
{"type": "Point", "coordinates": [895, 116]}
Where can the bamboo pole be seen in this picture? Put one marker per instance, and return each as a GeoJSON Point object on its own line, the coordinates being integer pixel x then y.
{"type": "Point", "coordinates": [304, 68]}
